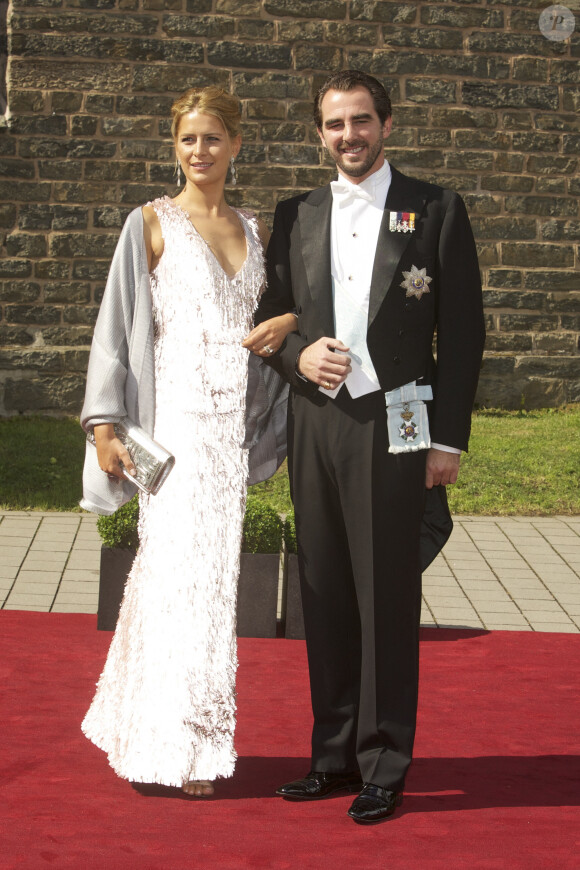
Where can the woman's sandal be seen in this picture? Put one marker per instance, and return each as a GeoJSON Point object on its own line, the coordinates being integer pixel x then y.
{"type": "Point", "coordinates": [198, 788]}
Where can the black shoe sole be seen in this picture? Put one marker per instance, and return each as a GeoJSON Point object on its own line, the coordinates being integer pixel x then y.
{"type": "Point", "coordinates": [347, 789]}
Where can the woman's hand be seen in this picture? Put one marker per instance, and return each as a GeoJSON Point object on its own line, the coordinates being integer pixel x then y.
{"type": "Point", "coordinates": [111, 451]}
{"type": "Point", "coordinates": [266, 338]}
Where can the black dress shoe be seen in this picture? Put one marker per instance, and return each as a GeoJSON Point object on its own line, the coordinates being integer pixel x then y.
{"type": "Point", "coordinates": [374, 804]}
{"type": "Point", "coordinates": [319, 784]}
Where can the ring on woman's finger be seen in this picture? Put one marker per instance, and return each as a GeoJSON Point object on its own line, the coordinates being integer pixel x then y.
{"type": "Point", "coordinates": [268, 349]}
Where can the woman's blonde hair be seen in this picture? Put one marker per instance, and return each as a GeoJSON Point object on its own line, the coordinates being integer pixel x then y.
{"type": "Point", "coordinates": [209, 101]}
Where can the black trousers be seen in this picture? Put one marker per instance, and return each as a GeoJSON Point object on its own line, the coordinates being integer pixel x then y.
{"type": "Point", "coordinates": [358, 515]}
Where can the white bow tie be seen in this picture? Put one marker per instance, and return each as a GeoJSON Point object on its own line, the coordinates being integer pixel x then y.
{"type": "Point", "coordinates": [343, 193]}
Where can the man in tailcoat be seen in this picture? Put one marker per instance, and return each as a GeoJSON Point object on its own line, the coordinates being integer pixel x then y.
{"type": "Point", "coordinates": [373, 265]}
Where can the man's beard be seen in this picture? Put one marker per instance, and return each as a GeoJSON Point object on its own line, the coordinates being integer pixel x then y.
{"type": "Point", "coordinates": [357, 171]}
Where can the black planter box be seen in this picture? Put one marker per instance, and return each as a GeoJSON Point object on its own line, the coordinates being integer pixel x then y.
{"type": "Point", "coordinates": [257, 591]}
{"type": "Point", "coordinates": [294, 617]}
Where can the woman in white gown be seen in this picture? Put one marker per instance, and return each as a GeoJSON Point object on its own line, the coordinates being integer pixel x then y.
{"type": "Point", "coordinates": [164, 709]}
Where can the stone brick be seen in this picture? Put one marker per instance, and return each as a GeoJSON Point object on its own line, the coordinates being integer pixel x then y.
{"type": "Point", "coordinates": [31, 358]}
{"type": "Point", "coordinates": [456, 118]}
{"type": "Point", "coordinates": [542, 205]}
{"type": "Point", "coordinates": [115, 171]}
{"type": "Point", "coordinates": [433, 138]}
{"type": "Point", "coordinates": [69, 336]}
{"type": "Point", "coordinates": [25, 245]}
{"type": "Point", "coordinates": [454, 17]}
{"type": "Point", "coordinates": [510, 96]}
{"type": "Point", "coordinates": [504, 278]}
{"type": "Point", "coordinates": [517, 121]}
{"type": "Point", "coordinates": [351, 34]}
{"type": "Point", "coordinates": [26, 101]}
{"type": "Point", "coordinates": [551, 281]}
{"type": "Point", "coordinates": [420, 37]}
{"type": "Point", "coordinates": [322, 57]}
{"type": "Point", "coordinates": [527, 322]}
{"type": "Point", "coordinates": [513, 299]}
{"type": "Point", "coordinates": [7, 145]}
{"type": "Point", "coordinates": [80, 314]}
{"type": "Point", "coordinates": [66, 101]}
{"type": "Point", "coordinates": [45, 394]}
{"type": "Point", "coordinates": [55, 269]}
{"type": "Point", "coordinates": [490, 140]}
{"type": "Point", "coordinates": [430, 91]}
{"type": "Point", "coordinates": [561, 231]}
{"type": "Point", "coordinates": [327, 9]}
{"type": "Point", "coordinates": [135, 149]}
{"type": "Point", "coordinates": [19, 291]}
{"type": "Point", "coordinates": [557, 122]}
{"type": "Point", "coordinates": [564, 71]}
{"type": "Point", "coordinates": [555, 367]}
{"type": "Point", "coordinates": [413, 116]}
{"type": "Point", "coordinates": [487, 254]}
{"type": "Point", "coordinates": [99, 104]}
{"type": "Point", "coordinates": [69, 218]}
{"type": "Point", "coordinates": [32, 314]}
{"type": "Point", "coordinates": [518, 254]}
{"type": "Point", "coordinates": [474, 160]}
{"type": "Point", "coordinates": [408, 157]}
{"type": "Point", "coordinates": [513, 342]}
{"type": "Point", "coordinates": [283, 132]}
{"type": "Point", "coordinates": [175, 79]}
{"type": "Point", "coordinates": [137, 194]}
{"type": "Point", "coordinates": [533, 69]}
{"type": "Point", "coordinates": [310, 178]}
{"type": "Point", "coordinates": [60, 170]}
{"type": "Point", "coordinates": [233, 7]}
{"type": "Point", "coordinates": [84, 125]}
{"type": "Point", "coordinates": [15, 336]}
{"type": "Point", "coordinates": [63, 74]}
{"type": "Point", "coordinates": [551, 185]}
{"type": "Point", "coordinates": [536, 142]}
{"type": "Point", "coordinates": [571, 100]}
{"type": "Point", "coordinates": [266, 110]}
{"type": "Point", "coordinates": [503, 228]}
{"type": "Point", "coordinates": [293, 155]}
{"type": "Point", "coordinates": [255, 56]}
{"type": "Point", "coordinates": [555, 343]}
{"type": "Point", "coordinates": [91, 270]}
{"type": "Point", "coordinates": [7, 215]}
{"type": "Point", "coordinates": [110, 217]}
{"type": "Point", "coordinates": [507, 183]}
{"type": "Point", "coordinates": [511, 43]}
{"type": "Point", "coordinates": [83, 193]}
{"type": "Point", "coordinates": [481, 203]}
{"type": "Point", "coordinates": [33, 149]}
{"type": "Point", "coordinates": [35, 217]}
{"type": "Point", "coordinates": [27, 125]}
{"type": "Point", "coordinates": [213, 26]}
{"type": "Point", "coordinates": [459, 182]}
{"type": "Point", "coordinates": [553, 165]}
{"type": "Point", "coordinates": [251, 29]}
{"type": "Point", "coordinates": [388, 13]}
{"type": "Point", "coordinates": [82, 244]}
{"type": "Point", "coordinates": [571, 143]}
{"type": "Point", "coordinates": [304, 31]}
{"type": "Point", "coordinates": [15, 268]}
{"type": "Point", "coordinates": [506, 161]}
{"type": "Point", "coordinates": [67, 292]}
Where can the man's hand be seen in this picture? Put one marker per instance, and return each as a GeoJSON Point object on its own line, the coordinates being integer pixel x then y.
{"type": "Point", "coordinates": [442, 467]}
{"type": "Point", "coordinates": [320, 364]}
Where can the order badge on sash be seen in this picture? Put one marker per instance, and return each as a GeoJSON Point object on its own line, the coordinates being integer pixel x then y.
{"type": "Point", "coordinates": [407, 419]}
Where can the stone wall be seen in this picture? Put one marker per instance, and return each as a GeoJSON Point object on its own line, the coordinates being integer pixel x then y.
{"type": "Point", "coordinates": [483, 103]}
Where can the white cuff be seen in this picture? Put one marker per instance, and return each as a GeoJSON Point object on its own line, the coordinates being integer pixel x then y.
{"type": "Point", "coordinates": [444, 448]}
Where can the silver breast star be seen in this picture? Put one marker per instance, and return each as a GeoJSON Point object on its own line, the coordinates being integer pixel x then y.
{"type": "Point", "coordinates": [416, 282]}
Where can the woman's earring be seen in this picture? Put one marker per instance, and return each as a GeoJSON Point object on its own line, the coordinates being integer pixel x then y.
{"type": "Point", "coordinates": [179, 174]}
{"type": "Point", "coordinates": [234, 173]}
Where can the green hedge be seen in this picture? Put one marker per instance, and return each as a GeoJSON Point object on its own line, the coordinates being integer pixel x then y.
{"type": "Point", "coordinates": [262, 527]}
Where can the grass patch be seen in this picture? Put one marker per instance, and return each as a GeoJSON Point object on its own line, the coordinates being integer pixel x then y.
{"type": "Point", "coordinates": [520, 463]}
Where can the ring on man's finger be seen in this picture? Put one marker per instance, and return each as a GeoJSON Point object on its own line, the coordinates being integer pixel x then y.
{"type": "Point", "coordinates": [327, 385]}
{"type": "Point", "coordinates": [268, 349]}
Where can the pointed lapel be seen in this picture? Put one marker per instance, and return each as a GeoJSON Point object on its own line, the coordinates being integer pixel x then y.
{"type": "Point", "coordinates": [402, 196]}
{"type": "Point", "coordinates": [314, 219]}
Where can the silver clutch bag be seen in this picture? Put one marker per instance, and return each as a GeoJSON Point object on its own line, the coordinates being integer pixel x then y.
{"type": "Point", "coordinates": [152, 461]}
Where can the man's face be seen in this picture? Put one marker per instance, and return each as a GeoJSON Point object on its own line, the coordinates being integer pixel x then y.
{"type": "Point", "coordinates": [353, 133]}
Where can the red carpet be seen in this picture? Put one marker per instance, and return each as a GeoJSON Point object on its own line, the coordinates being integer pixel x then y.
{"type": "Point", "coordinates": [495, 783]}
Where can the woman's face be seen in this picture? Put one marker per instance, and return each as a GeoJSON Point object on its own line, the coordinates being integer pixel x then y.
{"type": "Point", "coordinates": [204, 149]}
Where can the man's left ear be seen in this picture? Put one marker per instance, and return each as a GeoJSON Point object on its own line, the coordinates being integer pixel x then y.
{"type": "Point", "coordinates": [387, 126]}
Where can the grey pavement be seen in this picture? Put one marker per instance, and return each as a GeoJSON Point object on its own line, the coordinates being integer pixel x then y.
{"type": "Point", "coordinates": [510, 573]}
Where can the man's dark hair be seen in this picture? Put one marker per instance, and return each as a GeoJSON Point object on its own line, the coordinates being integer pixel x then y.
{"type": "Point", "coordinates": [347, 80]}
